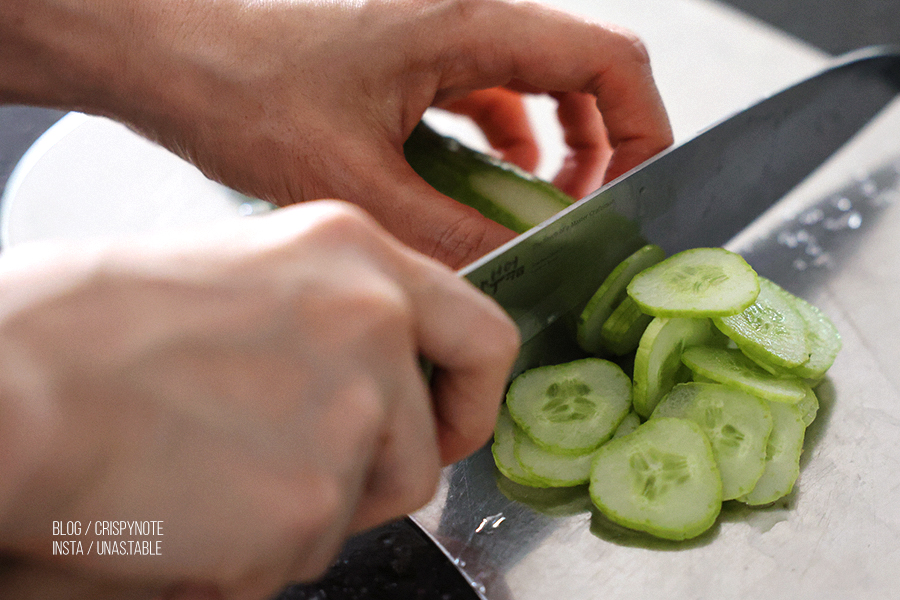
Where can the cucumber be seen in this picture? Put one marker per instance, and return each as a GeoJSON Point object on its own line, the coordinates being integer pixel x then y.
{"type": "Point", "coordinates": [771, 331]}
{"type": "Point", "coordinates": [661, 478]}
{"type": "Point", "coordinates": [622, 331]}
{"type": "Point", "coordinates": [551, 469]}
{"type": "Point", "coordinates": [809, 407]}
{"type": "Point", "coordinates": [497, 189]}
{"type": "Point", "coordinates": [503, 450]}
{"type": "Point", "coordinates": [822, 337]}
{"type": "Point", "coordinates": [609, 295]}
{"type": "Point", "coordinates": [782, 456]}
{"type": "Point", "coordinates": [702, 282]}
{"type": "Point", "coordinates": [732, 367]}
{"type": "Point", "coordinates": [570, 408]}
{"type": "Point", "coordinates": [657, 363]}
{"type": "Point", "coordinates": [737, 424]}
{"type": "Point", "coordinates": [631, 422]}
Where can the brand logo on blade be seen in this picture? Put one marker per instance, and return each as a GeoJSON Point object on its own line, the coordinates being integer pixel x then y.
{"type": "Point", "coordinates": [506, 271]}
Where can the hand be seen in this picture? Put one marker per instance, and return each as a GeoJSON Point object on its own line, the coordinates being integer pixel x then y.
{"type": "Point", "coordinates": [256, 387]}
{"type": "Point", "coordinates": [292, 100]}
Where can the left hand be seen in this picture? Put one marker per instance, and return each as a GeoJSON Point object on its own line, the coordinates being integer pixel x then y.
{"type": "Point", "coordinates": [293, 100]}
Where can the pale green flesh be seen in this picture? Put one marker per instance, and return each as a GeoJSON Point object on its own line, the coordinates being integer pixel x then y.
{"type": "Point", "coordinates": [822, 337]}
{"type": "Point", "coordinates": [703, 282]}
{"type": "Point", "coordinates": [530, 201]}
{"type": "Point", "coordinates": [769, 331]}
{"type": "Point", "coordinates": [732, 367]}
{"type": "Point", "coordinates": [809, 407]}
{"type": "Point", "coordinates": [610, 294]}
{"type": "Point", "coordinates": [661, 478]}
{"type": "Point", "coordinates": [622, 331]}
{"type": "Point", "coordinates": [549, 468]}
{"type": "Point", "coordinates": [628, 424]}
{"type": "Point", "coordinates": [570, 408]}
{"type": "Point", "coordinates": [503, 450]}
{"type": "Point", "coordinates": [658, 358]}
{"type": "Point", "coordinates": [782, 456]}
{"type": "Point", "coordinates": [737, 424]}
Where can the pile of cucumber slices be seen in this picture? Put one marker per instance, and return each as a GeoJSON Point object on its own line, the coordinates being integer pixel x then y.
{"type": "Point", "coordinates": [722, 392]}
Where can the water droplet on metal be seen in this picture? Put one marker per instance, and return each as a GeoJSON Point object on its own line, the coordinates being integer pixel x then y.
{"type": "Point", "coordinates": [812, 217]}
{"type": "Point", "coordinates": [786, 238]}
{"type": "Point", "coordinates": [843, 204]}
{"type": "Point", "coordinates": [490, 523]}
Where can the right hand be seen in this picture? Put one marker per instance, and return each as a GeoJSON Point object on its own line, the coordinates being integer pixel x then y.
{"type": "Point", "coordinates": [256, 387]}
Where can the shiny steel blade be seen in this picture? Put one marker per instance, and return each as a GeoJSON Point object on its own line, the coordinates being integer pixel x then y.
{"type": "Point", "coordinates": [701, 193]}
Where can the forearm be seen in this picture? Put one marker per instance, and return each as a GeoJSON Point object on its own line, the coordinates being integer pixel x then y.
{"type": "Point", "coordinates": [138, 61]}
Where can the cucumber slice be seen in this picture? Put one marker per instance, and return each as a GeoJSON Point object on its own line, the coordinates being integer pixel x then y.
{"type": "Point", "coordinates": [622, 331]}
{"type": "Point", "coordinates": [702, 282]}
{"type": "Point", "coordinates": [770, 331]}
{"type": "Point", "coordinates": [737, 424]}
{"type": "Point", "coordinates": [610, 294]}
{"type": "Point", "coordinates": [809, 407]}
{"type": "Point", "coordinates": [657, 363]}
{"type": "Point", "coordinates": [822, 337]}
{"type": "Point", "coordinates": [661, 478]}
{"type": "Point", "coordinates": [631, 422]}
{"type": "Point", "coordinates": [570, 408]}
{"type": "Point", "coordinates": [782, 456]}
{"type": "Point", "coordinates": [551, 469]}
{"type": "Point", "coordinates": [498, 190]}
{"type": "Point", "coordinates": [732, 367]}
{"type": "Point", "coordinates": [503, 450]}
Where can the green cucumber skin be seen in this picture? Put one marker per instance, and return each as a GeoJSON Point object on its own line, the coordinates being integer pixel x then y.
{"type": "Point", "coordinates": [783, 456]}
{"type": "Point", "coordinates": [609, 295]}
{"type": "Point", "coordinates": [622, 331]}
{"type": "Point", "coordinates": [550, 469]}
{"type": "Point", "coordinates": [658, 358]}
{"type": "Point", "coordinates": [449, 166]}
{"type": "Point", "coordinates": [732, 367]}
{"type": "Point", "coordinates": [503, 451]}
{"type": "Point", "coordinates": [770, 331]}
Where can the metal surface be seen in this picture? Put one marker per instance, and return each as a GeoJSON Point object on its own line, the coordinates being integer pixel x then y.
{"type": "Point", "coordinates": [836, 535]}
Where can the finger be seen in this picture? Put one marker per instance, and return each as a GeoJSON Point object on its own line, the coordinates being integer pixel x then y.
{"type": "Point", "coordinates": [404, 472]}
{"type": "Point", "coordinates": [552, 51]}
{"type": "Point", "coordinates": [472, 344]}
{"type": "Point", "coordinates": [501, 116]}
{"type": "Point", "coordinates": [585, 135]}
{"type": "Point", "coordinates": [419, 215]}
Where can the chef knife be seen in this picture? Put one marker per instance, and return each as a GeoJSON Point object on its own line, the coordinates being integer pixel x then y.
{"type": "Point", "coordinates": [699, 193]}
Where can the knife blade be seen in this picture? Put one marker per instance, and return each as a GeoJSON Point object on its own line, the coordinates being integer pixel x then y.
{"type": "Point", "coordinates": [700, 193]}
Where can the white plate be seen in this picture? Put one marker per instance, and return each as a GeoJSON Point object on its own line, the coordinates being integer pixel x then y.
{"type": "Point", "coordinates": [89, 176]}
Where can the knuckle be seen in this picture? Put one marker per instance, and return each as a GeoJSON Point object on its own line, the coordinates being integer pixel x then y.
{"type": "Point", "coordinates": [461, 241]}
{"type": "Point", "coordinates": [631, 46]}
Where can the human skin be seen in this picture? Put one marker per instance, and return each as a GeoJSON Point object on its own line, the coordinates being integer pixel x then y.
{"type": "Point", "coordinates": [291, 101]}
{"type": "Point", "coordinates": [256, 387]}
